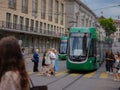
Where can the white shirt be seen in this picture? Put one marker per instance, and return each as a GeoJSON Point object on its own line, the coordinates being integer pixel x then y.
{"type": "Point", "coordinates": [52, 56]}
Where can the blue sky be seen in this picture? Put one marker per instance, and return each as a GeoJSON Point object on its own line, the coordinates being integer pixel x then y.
{"type": "Point", "coordinates": [105, 6]}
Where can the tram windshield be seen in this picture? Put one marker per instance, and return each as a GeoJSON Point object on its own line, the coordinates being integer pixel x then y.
{"type": "Point", "coordinates": [63, 47]}
{"type": "Point", "coordinates": [79, 44]}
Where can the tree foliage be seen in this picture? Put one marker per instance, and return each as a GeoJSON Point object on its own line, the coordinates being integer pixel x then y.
{"type": "Point", "coordinates": [108, 24]}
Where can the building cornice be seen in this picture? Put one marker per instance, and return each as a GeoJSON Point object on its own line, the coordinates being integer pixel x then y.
{"type": "Point", "coordinates": [83, 5]}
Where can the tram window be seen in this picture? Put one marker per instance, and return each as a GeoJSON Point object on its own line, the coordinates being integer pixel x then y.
{"type": "Point", "coordinates": [84, 44]}
{"type": "Point", "coordinates": [63, 47]}
{"type": "Point", "coordinates": [92, 48]}
{"type": "Point", "coordinates": [78, 43]}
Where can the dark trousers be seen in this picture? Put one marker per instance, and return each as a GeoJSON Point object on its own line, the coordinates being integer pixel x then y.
{"type": "Point", "coordinates": [35, 67]}
{"type": "Point", "coordinates": [109, 66]}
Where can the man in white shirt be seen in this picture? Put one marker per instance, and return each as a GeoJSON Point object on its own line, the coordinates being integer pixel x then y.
{"type": "Point", "coordinates": [52, 57]}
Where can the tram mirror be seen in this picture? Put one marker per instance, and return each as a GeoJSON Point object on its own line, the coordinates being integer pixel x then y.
{"type": "Point", "coordinates": [78, 52]}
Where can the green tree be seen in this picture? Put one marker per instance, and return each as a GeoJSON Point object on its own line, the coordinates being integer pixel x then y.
{"type": "Point", "coordinates": [108, 24]}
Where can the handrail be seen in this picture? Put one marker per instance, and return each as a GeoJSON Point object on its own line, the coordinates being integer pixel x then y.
{"type": "Point", "coordinates": [4, 25]}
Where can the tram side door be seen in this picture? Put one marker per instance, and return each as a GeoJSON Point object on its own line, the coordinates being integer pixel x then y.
{"type": "Point", "coordinates": [93, 51]}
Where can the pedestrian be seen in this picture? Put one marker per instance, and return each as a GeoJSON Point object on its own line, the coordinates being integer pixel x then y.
{"type": "Point", "coordinates": [13, 75]}
{"type": "Point", "coordinates": [43, 67]}
{"type": "Point", "coordinates": [48, 63]}
{"type": "Point", "coordinates": [36, 60]}
{"type": "Point", "coordinates": [116, 68]}
{"type": "Point", "coordinates": [110, 61]}
{"type": "Point", "coordinates": [56, 61]}
{"type": "Point", "coordinates": [52, 58]}
{"type": "Point", "coordinates": [106, 61]}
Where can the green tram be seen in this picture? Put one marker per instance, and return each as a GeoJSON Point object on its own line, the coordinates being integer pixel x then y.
{"type": "Point", "coordinates": [63, 48]}
{"type": "Point", "coordinates": [85, 49]}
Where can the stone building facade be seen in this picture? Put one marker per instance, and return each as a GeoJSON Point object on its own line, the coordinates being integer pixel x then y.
{"type": "Point", "coordinates": [78, 15]}
{"type": "Point", "coordinates": [117, 33]}
{"type": "Point", "coordinates": [36, 23]}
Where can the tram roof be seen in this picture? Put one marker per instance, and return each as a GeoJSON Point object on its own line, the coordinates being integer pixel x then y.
{"type": "Point", "coordinates": [83, 29]}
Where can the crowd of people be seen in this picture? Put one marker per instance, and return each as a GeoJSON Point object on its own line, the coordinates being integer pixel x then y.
{"type": "Point", "coordinates": [49, 62]}
{"type": "Point", "coordinates": [113, 64]}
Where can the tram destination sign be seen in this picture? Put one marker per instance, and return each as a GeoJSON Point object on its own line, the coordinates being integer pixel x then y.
{"type": "Point", "coordinates": [64, 40]}
{"type": "Point", "coordinates": [80, 34]}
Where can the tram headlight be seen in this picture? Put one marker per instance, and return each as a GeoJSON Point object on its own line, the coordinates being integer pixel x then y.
{"type": "Point", "coordinates": [90, 61]}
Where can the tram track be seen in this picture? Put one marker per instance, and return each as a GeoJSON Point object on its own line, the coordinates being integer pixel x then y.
{"type": "Point", "coordinates": [68, 74]}
{"type": "Point", "coordinates": [58, 79]}
{"type": "Point", "coordinates": [72, 82]}
{"type": "Point", "coordinates": [68, 80]}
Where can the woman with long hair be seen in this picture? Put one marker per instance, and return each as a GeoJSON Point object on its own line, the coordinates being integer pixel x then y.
{"type": "Point", "coordinates": [110, 61]}
{"type": "Point", "coordinates": [13, 75]}
{"type": "Point", "coordinates": [43, 67]}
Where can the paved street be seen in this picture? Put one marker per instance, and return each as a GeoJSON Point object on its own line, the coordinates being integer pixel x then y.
{"type": "Point", "coordinates": [64, 80]}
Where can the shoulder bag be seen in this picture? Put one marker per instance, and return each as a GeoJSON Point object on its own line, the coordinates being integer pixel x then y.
{"type": "Point", "coordinates": [33, 59]}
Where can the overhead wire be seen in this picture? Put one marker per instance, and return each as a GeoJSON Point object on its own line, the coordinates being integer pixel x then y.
{"type": "Point", "coordinates": [115, 1]}
{"type": "Point", "coordinates": [107, 7]}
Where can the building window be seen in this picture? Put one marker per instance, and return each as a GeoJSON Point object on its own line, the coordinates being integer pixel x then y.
{"type": "Point", "coordinates": [25, 6]}
{"type": "Point", "coordinates": [21, 23]}
{"type": "Point", "coordinates": [50, 10]}
{"type": "Point", "coordinates": [60, 29]}
{"type": "Point", "coordinates": [32, 42]}
{"type": "Point", "coordinates": [8, 20]}
{"type": "Point", "coordinates": [27, 24]}
{"type": "Point", "coordinates": [54, 28]}
{"type": "Point", "coordinates": [62, 13]}
{"type": "Point", "coordinates": [15, 20]}
{"type": "Point", "coordinates": [56, 11]}
{"type": "Point", "coordinates": [40, 27]}
{"type": "Point", "coordinates": [43, 9]}
{"type": "Point", "coordinates": [36, 26]}
{"type": "Point", "coordinates": [48, 27]}
{"type": "Point", "coordinates": [12, 4]}
{"type": "Point", "coordinates": [32, 26]}
{"type": "Point", "coordinates": [44, 28]}
{"type": "Point", "coordinates": [34, 7]}
{"type": "Point", "coordinates": [26, 41]}
{"type": "Point", "coordinates": [51, 27]}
